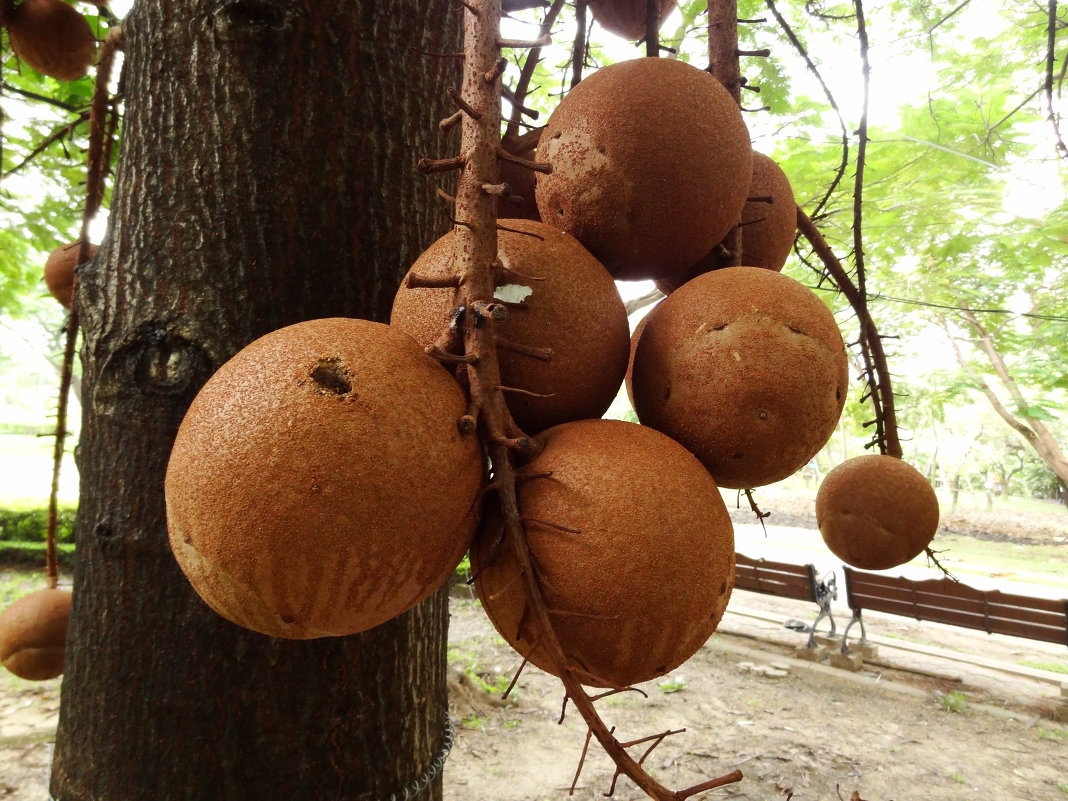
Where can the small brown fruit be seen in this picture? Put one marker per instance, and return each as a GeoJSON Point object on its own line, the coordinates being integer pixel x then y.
{"type": "Point", "coordinates": [53, 38]}
{"type": "Point", "coordinates": [626, 18]}
{"type": "Point", "coordinates": [573, 308]}
{"type": "Point", "coordinates": [59, 271]}
{"type": "Point", "coordinates": [33, 631]}
{"type": "Point", "coordinates": [642, 579]}
{"type": "Point", "coordinates": [876, 512]}
{"type": "Point", "coordinates": [768, 225]}
{"type": "Point", "coordinates": [318, 484]}
{"type": "Point", "coordinates": [651, 163]}
{"type": "Point", "coordinates": [747, 369]}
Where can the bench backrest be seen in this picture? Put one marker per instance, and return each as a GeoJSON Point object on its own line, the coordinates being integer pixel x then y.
{"type": "Point", "coordinates": [775, 578]}
{"type": "Point", "coordinates": [946, 601]}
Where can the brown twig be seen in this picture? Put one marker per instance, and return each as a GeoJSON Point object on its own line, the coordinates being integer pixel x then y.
{"type": "Point", "coordinates": [578, 48]}
{"type": "Point", "coordinates": [877, 373]}
{"type": "Point", "coordinates": [530, 64]}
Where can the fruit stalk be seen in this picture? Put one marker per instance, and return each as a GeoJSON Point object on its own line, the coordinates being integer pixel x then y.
{"type": "Point", "coordinates": [724, 65]}
{"type": "Point", "coordinates": [876, 370]}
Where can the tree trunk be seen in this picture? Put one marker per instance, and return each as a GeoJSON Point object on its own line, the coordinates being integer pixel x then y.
{"type": "Point", "coordinates": [1033, 431]}
{"type": "Point", "coordinates": [266, 178]}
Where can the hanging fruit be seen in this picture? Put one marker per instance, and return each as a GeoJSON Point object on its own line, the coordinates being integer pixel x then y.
{"type": "Point", "coordinates": [318, 484]}
{"type": "Point", "coordinates": [53, 38]}
{"type": "Point", "coordinates": [651, 164]}
{"type": "Point", "coordinates": [60, 273]}
{"type": "Point", "coordinates": [626, 18]}
{"type": "Point", "coordinates": [747, 369]}
{"type": "Point", "coordinates": [33, 632]}
{"type": "Point", "coordinates": [876, 512]}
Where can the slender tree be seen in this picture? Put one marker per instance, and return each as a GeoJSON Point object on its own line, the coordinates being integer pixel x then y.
{"type": "Point", "coordinates": [266, 177]}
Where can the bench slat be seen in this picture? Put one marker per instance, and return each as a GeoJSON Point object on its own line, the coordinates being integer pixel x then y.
{"type": "Point", "coordinates": [947, 601]}
{"type": "Point", "coordinates": [775, 578]}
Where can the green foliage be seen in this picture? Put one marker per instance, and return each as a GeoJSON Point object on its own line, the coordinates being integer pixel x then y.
{"type": "Point", "coordinates": [954, 701]}
{"type": "Point", "coordinates": [30, 524]}
{"type": "Point", "coordinates": [32, 554]}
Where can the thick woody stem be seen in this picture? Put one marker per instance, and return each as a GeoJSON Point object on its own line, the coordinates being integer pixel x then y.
{"type": "Point", "coordinates": [724, 66]}
{"type": "Point", "coordinates": [871, 343]}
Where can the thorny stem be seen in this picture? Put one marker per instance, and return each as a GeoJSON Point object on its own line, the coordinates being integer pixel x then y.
{"type": "Point", "coordinates": [877, 372]}
{"type": "Point", "coordinates": [475, 259]}
{"type": "Point", "coordinates": [724, 66]}
{"type": "Point", "coordinates": [862, 149]}
{"type": "Point", "coordinates": [578, 49]}
{"type": "Point", "coordinates": [101, 128]}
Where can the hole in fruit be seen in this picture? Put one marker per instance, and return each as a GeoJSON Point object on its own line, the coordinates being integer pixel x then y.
{"type": "Point", "coordinates": [719, 327]}
{"type": "Point", "coordinates": [331, 376]}
{"type": "Point", "coordinates": [556, 135]}
{"type": "Point", "coordinates": [560, 212]}
{"type": "Point", "coordinates": [739, 455]}
{"type": "Point", "coordinates": [723, 588]}
{"type": "Point", "coordinates": [602, 149]}
{"type": "Point", "coordinates": [288, 619]}
{"type": "Point", "coordinates": [667, 390]}
{"type": "Point", "coordinates": [838, 394]}
{"type": "Point", "coordinates": [795, 330]}
{"type": "Point", "coordinates": [762, 415]}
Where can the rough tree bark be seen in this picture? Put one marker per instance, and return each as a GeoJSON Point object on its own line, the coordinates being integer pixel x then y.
{"type": "Point", "coordinates": [266, 178]}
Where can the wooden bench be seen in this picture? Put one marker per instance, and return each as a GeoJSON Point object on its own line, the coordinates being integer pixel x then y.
{"type": "Point", "coordinates": [786, 580]}
{"type": "Point", "coordinates": [947, 601]}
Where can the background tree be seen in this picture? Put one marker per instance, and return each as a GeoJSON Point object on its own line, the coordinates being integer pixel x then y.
{"type": "Point", "coordinates": [266, 177]}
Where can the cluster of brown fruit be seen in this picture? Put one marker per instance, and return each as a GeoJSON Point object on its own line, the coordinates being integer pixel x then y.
{"type": "Point", "coordinates": [52, 38]}
{"type": "Point", "coordinates": [319, 484]}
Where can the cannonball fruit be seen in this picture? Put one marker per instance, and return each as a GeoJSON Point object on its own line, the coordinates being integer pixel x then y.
{"type": "Point", "coordinates": [746, 368]}
{"type": "Point", "coordinates": [643, 576]}
{"type": "Point", "coordinates": [876, 512]}
{"type": "Point", "coordinates": [768, 225]}
{"type": "Point", "coordinates": [53, 38]}
{"type": "Point", "coordinates": [573, 308]}
{"type": "Point", "coordinates": [318, 484]}
{"type": "Point", "coordinates": [651, 163]}
{"type": "Point", "coordinates": [626, 18]}
{"type": "Point", "coordinates": [33, 631]}
{"type": "Point", "coordinates": [59, 271]}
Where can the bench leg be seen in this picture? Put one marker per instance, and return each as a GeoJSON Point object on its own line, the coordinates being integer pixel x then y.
{"type": "Point", "coordinates": [857, 618]}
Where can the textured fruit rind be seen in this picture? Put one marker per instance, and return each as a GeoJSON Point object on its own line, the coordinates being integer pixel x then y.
{"type": "Point", "coordinates": [33, 631]}
{"type": "Point", "coordinates": [59, 271]}
{"type": "Point", "coordinates": [573, 308]}
{"type": "Point", "coordinates": [53, 38]}
{"type": "Point", "coordinates": [626, 18]}
{"type": "Point", "coordinates": [651, 163]}
{"type": "Point", "coordinates": [747, 369]}
{"type": "Point", "coordinates": [318, 484]}
{"type": "Point", "coordinates": [643, 580]}
{"type": "Point", "coordinates": [876, 512]}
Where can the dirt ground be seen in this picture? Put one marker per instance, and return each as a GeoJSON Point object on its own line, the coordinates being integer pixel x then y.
{"type": "Point", "coordinates": [921, 720]}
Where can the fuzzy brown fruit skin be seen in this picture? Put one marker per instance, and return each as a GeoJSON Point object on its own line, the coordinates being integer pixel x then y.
{"type": "Point", "coordinates": [747, 369]}
{"type": "Point", "coordinates": [318, 484]}
{"type": "Point", "coordinates": [59, 271]}
{"type": "Point", "coordinates": [768, 228]}
{"type": "Point", "coordinates": [33, 633]}
{"type": "Point", "coordinates": [651, 163]}
{"type": "Point", "coordinates": [574, 309]}
{"type": "Point", "coordinates": [644, 581]}
{"type": "Point", "coordinates": [876, 512]}
{"type": "Point", "coordinates": [626, 18]}
{"type": "Point", "coordinates": [53, 38]}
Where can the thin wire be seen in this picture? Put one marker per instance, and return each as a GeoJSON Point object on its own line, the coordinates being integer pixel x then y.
{"type": "Point", "coordinates": [433, 770]}
{"type": "Point", "coordinates": [1057, 318]}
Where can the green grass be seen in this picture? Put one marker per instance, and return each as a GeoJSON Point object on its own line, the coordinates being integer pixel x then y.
{"type": "Point", "coordinates": [1007, 557]}
{"type": "Point", "coordinates": [28, 556]}
{"type": "Point", "coordinates": [954, 701]}
{"type": "Point", "coordinates": [1052, 667]}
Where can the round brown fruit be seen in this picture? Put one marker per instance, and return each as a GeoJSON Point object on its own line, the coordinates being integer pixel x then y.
{"type": "Point", "coordinates": [59, 271]}
{"type": "Point", "coordinates": [573, 308]}
{"type": "Point", "coordinates": [53, 38]}
{"type": "Point", "coordinates": [876, 512]}
{"type": "Point", "coordinates": [318, 484]}
{"type": "Point", "coordinates": [641, 580]}
{"type": "Point", "coordinates": [768, 226]}
{"type": "Point", "coordinates": [651, 163]}
{"type": "Point", "coordinates": [626, 18]}
{"type": "Point", "coordinates": [746, 368]}
{"type": "Point", "coordinates": [33, 631]}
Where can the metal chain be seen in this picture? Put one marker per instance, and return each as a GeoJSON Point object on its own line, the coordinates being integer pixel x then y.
{"type": "Point", "coordinates": [433, 770]}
